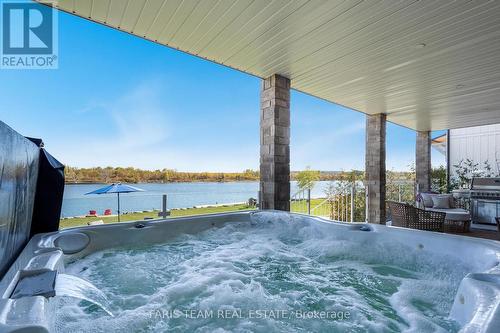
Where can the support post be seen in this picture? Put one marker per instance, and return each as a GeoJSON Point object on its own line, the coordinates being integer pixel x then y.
{"type": "Point", "coordinates": [375, 167]}
{"type": "Point", "coordinates": [423, 161]}
{"type": "Point", "coordinates": [275, 143]}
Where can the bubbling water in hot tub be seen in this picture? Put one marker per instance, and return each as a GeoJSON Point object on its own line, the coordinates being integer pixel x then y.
{"type": "Point", "coordinates": [276, 274]}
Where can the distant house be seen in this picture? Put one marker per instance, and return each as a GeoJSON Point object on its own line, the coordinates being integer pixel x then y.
{"type": "Point", "coordinates": [478, 143]}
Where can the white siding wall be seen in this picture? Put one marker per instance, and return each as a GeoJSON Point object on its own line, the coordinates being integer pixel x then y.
{"type": "Point", "coordinates": [479, 143]}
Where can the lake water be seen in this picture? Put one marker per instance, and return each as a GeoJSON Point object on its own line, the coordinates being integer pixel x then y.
{"type": "Point", "coordinates": [180, 195]}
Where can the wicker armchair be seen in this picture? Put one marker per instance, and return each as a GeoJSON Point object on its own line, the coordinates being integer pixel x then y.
{"type": "Point", "coordinates": [407, 216]}
{"type": "Point", "coordinates": [428, 220]}
{"type": "Point", "coordinates": [402, 215]}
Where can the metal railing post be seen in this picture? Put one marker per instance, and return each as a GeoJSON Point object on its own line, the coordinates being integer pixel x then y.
{"type": "Point", "coordinates": [164, 213]}
{"type": "Point", "coordinates": [164, 204]}
{"type": "Point", "coordinates": [346, 217]}
{"type": "Point", "coordinates": [399, 193]}
{"type": "Point", "coordinates": [338, 206]}
{"type": "Point", "coordinates": [366, 203]}
{"type": "Point", "coordinates": [309, 201]}
{"type": "Point", "coordinates": [353, 191]}
{"type": "Point", "coordinates": [416, 192]}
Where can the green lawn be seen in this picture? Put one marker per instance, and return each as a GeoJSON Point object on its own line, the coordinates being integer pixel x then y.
{"type": "Point", "coordinates": [80, 221]}
{"type": "Point", "coordinates": [301, 206]}
{"type": "Point", "coordinates": [297, 207]}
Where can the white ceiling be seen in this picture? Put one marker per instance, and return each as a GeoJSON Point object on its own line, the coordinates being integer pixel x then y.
{"type": "Point", "coordinates": [427, 64]}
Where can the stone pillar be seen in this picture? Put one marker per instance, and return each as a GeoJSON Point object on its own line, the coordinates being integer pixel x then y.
{"type": "Point", "coordinates": [375, 167]}
{"type": "Point", "coordinates": [275, 143]}
{"type": "Point", "coordinates": [423, 161]}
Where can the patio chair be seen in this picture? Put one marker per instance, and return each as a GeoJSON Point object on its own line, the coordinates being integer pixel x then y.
{"type": "Point", "coordinates": [401, 214]}
{"type": "Point", "coordinates": [407, 216]}
{"type": "Point", "coordinates": [458, 218]}
{"type": "Point", "coordinates": [429, 220]}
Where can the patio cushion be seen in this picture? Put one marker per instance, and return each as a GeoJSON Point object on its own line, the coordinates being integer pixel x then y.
{"type": "Point", "coordinates": [454, 214]}
{"type": "Point", "coordinates": [429, 203]}
{"type": "Point", "coordinates": [450, 198]}
{"type": "Point", "coordinates": [427, 199]}
{"type": "Point", "coordinates": [441, 201]}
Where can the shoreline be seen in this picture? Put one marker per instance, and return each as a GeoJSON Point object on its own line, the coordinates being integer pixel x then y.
{"type": "Point", "coordinates": [174, 212]}
{"type": "Point", "coordinates": [146, 211]}
{"type": "Point", "coordinates": [151, 215]}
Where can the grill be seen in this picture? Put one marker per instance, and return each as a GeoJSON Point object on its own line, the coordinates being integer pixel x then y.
{"type": "Point", "coordinates": [485, 200]}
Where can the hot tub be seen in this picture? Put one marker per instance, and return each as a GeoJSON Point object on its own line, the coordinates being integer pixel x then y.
{"type": "Point", "coordinates": [251, 271]}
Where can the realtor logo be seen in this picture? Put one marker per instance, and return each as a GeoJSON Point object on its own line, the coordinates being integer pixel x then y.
{"type": "Point", "coordinates": [29, 36]}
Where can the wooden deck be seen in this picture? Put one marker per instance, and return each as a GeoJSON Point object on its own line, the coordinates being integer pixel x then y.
{"type": "Point", "coordinates": [480, 233]}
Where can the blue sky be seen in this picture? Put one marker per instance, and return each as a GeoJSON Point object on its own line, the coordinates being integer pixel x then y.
{"type": "Point", "coordinates": [119, 100]}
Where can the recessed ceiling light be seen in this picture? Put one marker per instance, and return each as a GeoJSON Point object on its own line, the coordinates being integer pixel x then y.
{"type": "Point", "coordinates": [420, 45]}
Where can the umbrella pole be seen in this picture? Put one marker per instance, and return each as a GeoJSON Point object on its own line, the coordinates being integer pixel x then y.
{"type": "Point", "coordinates": [118, 206]}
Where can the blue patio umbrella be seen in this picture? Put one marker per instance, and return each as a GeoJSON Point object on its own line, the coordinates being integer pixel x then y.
{"type": "Point", "coordinates": [116, 188]}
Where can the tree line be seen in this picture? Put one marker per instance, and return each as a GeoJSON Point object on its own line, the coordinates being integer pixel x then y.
{"type": "Point", "coordinates": [133, 175]}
